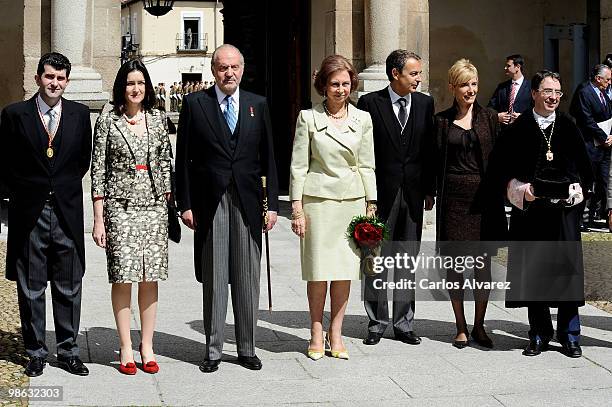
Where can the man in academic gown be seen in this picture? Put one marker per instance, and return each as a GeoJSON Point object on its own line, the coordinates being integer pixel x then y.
{"type": "Point", "coordinates": [540, 154]}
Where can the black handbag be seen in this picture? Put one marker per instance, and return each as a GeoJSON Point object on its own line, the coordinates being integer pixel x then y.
{"type": "Point", "coordinates": [174, 226]}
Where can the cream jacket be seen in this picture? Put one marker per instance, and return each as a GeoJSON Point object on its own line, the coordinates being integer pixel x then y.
{"type": "Point", "coordinates": [330, 162]}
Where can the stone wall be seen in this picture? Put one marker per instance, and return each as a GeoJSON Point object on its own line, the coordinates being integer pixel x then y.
{"type": "Point", "coordinates": [106, 40]}
{"type": "Point", "coordinates": [11, 43]}
{"type": "Point", "coordinates": [486, 32]}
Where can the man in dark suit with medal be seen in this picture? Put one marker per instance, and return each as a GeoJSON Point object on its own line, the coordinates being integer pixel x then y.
{"type": "Point", "coordinates": [224, 146]}
{"type": "Point", "coordinates": [591, 105]}
{"type": "Point", "coordinates": [404, 147]}
{"type": "Point", "coordinates": [46, 142]}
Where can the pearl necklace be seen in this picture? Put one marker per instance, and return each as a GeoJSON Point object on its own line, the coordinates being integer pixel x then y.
{"type": "Point", "coordinates": [339, 117]}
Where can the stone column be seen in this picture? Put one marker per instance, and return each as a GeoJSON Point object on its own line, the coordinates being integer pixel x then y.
{"type": "Point", "coordinates": [389, 25]}
{"type": "Point", "coordinates": [382, 31]}
{"type": "Point", "coordinates": [71, 36]}
{"type": "Point", "coordinates": [414, 34]}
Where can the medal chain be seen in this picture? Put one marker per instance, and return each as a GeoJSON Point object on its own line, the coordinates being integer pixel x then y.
{"type": "Point", "coordinates": [50, 136]}
{"type": "Point", "coordinates": [549, 153]}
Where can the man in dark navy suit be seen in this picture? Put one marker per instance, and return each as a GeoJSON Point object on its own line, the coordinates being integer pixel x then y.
{"type": "Point", "coordinates": [404, 146]}
{"type": "Point", "coordinates": [512, 97]}
{"type": "Point", "coordinates": [46, 145]}
{"type": "Point", "coordinates": [591, 105]}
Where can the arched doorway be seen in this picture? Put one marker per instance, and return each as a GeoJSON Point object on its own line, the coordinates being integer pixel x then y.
{"type": "Point", "coordinates": [276, 53]}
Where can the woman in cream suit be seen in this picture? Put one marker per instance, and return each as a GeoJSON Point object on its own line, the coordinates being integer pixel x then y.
{"type": "Point", "coordinates": [130, 185]}
{"type": "Point", "coordinates": [332, 180]}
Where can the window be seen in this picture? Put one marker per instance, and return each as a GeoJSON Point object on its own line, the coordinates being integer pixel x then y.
{"type": "Point", "coordinates": [191, 36]}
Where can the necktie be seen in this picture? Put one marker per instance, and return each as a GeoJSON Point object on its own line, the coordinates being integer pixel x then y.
{"type": "Point", "coordinates": [51, 121]}
{"type": "Point", "coordinates": [603, 100]}
{"type": "Point", "coordinates": [230, 114]}
{"type": "Point", "coordinates": [512, 97]}
{"type": "Point", "coordinates": [403, 114]}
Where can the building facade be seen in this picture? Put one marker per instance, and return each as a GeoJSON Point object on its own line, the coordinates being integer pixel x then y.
{"type": "Point", "coordinates": [282, 53]}
{"type": "Point", "coordinates": [176, 47]}
{"type": "Point", "coordinates": [87, 31]}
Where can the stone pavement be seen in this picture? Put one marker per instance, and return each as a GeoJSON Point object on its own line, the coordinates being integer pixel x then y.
{"type": "Point", "coordinates": [12, 353]}
{"type": "Point", "coordinates": [391, 373]}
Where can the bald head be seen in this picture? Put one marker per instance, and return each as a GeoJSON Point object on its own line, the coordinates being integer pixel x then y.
{"type": "Point", "coordinates": [227, 68]}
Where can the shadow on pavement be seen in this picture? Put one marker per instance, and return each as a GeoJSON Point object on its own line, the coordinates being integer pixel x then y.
{"type": "Point", "coordinates": [103, 344]}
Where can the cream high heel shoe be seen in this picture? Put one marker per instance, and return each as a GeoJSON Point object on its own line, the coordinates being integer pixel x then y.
{"type": "Point", "coordinates": [338, 354]}
{"type": "Point", "coordinates": [316, 354]}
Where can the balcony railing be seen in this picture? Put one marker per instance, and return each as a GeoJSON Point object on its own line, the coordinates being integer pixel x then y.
{"type": "Point", "coordinates": [192, 42]}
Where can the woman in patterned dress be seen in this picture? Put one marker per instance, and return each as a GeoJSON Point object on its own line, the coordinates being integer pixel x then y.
{"type": "Point", "coordinates": [130, 185]}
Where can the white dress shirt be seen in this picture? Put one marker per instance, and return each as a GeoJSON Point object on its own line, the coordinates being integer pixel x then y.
{"type": "Point", "coordinates": [544, 121]}
{"type": "Point", "coordinates": [519, 83]}
{"type": "Point", "coordinates": [396, 105]}
{"type": "Point", "coordinates": [223, 102]}
{"type": "Point", "coordinates": [44, 108]}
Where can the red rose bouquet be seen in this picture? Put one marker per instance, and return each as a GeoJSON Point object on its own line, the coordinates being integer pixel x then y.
{"type": "Point", "coordinates": [368, 234]}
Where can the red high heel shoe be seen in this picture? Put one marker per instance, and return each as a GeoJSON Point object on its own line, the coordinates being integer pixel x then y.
{"type": "Point", "coordinates": [129, 368]}
{"type": "Point", "coordinates": [151, 366]}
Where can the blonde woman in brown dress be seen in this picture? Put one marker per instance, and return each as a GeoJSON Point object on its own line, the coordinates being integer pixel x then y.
{"type": "Point", "coordinates": [465, 134]}
{"type": "Point", "coordinates": [130, 185]}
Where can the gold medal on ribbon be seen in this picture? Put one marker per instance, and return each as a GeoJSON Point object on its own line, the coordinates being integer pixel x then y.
{"type": "Point", "coordinates": [49, 152]}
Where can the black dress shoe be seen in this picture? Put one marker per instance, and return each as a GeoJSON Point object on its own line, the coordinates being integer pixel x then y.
{"type": "Point", "coordinates": [571, 349]}
{"type": "Point", "coordinates": [408, 337]}
{"type": "Point", "coordinates": [460, 344]}
{"type": "Point", "coordinates": [209, 366]}
{"type": "Point", "coordinates": [72, 365]}
{"type": "Point", "coordinates": [535, 347]}
{"type": "Point", "coordinates": [372, 339]}
{"type": "Point", "coordinates": [250, 362]}
{"type": "Point", "coordinates": [481, 338]}
{"type": "Point", "coordinates": [35, 367]}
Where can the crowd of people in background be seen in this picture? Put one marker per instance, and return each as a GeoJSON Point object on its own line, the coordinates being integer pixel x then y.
{"type": "Point", "coordinates": [176, 93]}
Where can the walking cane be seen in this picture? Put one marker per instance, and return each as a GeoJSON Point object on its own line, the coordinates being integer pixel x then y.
{"type": "Point", "coordinates": [265, 215]}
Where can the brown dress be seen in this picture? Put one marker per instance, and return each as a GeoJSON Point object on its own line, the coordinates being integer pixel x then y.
{"type": "Point", "coordinates": [463, 155]}
{"type": "Point", "coordinates": [462, 180]}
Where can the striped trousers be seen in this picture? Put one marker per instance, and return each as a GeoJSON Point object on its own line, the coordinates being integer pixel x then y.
{"type": "Point", "coordinates": [230, 256]}
{"type": "Point", "coordinates": [49, 255]}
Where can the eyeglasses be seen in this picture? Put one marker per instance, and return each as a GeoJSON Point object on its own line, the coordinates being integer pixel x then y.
{"type": "Point", "coordinates": [549, 92]}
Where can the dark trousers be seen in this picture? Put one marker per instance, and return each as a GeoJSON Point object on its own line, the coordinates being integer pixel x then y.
{"type": "Point", "coordinates": [49, 255]}
{"type": "Point", "coordinates": [600, 162]}
{"type": "Point", "coordinates": [405, 238]}
{"type": "Point", "coordinates": [568, 322]}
